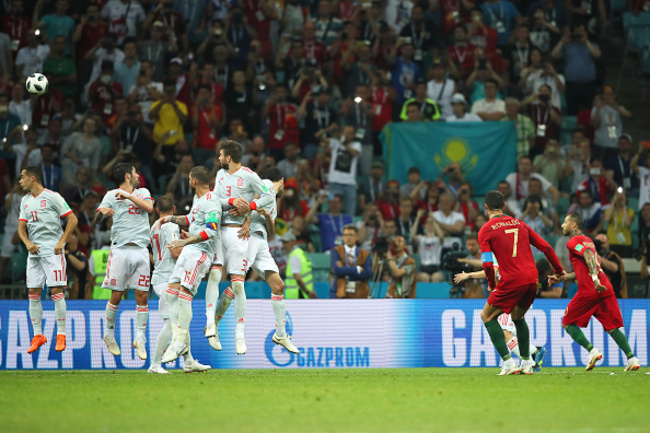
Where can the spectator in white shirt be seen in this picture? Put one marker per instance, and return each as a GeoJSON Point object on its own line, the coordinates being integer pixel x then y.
{"type": "Point", "coordinates": [343, 168]}
{"type": "Point", "coordinates": [30, 58]}
{"type": "Point", "coordinates": [452, 223]}
{"type": "Point", "coordinates": [20, 106]}
{"type": "Point", "coordinates": [123, 17]}
{"type": "Point", "coordinates": [459, 107]}
{"type": "Point", "coordinates": [441, 88]}
{"type": "Point", "coordinates": [104, 51]}
{"type": "Point", "coordinates": [511, 204]}
{"type": "Point", "coordinates": [519, 180]}
{"type": "Point", "coordinates": [490, 107]}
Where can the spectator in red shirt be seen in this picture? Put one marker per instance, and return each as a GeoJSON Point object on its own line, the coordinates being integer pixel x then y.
{"type": "Point", "coordinates": [461, 54]}
{"type": "Point", "coordinates": [480, 34]}
{"type": "Point", "coordinates": [259, 14]}
{"type": "Point", "coordinates": [382, 95]}
{"type": "Point", "coordinates": [281, 128]}
{"type": "Point", "coordinates": [88, 34]}
{"type": "Point", "coordinates": [291, 205]}
{"type": "Point", "coordinates": [455, 13]}
{"type": "Point", "coordinates": [389, 205]}
{"type": "Point", "coordinates": [182, 81]}
{"type": "Point", "coordinates": [315, 51]}
{"type": "Point", "coordinates": [16, 25]}
{"type": "Point", "coordinates": [600, 183]}
{"type": "Point", "coordinates": [466, 206]}
{"type": "Point", "coordinates": [207, 120]}
{"type": "Point", "coordinates": [103, 91]}
{"type": "Point", "coordinates": [206, 77]}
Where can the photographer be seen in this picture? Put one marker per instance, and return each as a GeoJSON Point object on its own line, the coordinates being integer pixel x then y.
{"type": "Point", "coordinates": [402, 271]}
{"type": "Point", "coordinates": [472, 288]}
{"type": "Point", "coordinates": [352, 267]}
{"type": "Point", "coordinates": [612, 265]}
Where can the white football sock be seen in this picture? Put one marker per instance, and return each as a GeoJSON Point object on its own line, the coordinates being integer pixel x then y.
{"type": "Point", "coordinates": [111, 313]}
{"type": "Point", "coordinates": [224, 303]}
{"type": "Point", "coordinates": [240, 306]}
{"type": "Point", "coordinates": [184, 312]}
{"type": "Point", "coordinates": [172, 300]}
{"type": "Point", "coordinates": [163, 341]}
{"type": "Point", "coordinates": [212, 295]}
{"type": "Point", "coordinates": [513, 345]}
{"type": "Point", "coordinates": [279, 310]}
{"type": "Point", "coordinates": [59, 312]}
{"type": "Point", "coordinates": [36, 313]}
{"type": "Point", "coordinates": [141, 317]}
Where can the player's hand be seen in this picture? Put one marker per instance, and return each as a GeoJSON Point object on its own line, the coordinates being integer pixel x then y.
{"type": "Point", "coordinates": [33, 249]}
{"type": "Point", "coordinates": [185, 234]}
{"type": "Point", "coordinates": [240, 207]}
{"type": "Point", "coordinates": [599, 287]}
{"type": "Point", "coordinates": [106, 211]}
{"type": "Point", "coordinates": [122, 195]}
{"type": "Point", "coordinates": [459, 278]}
{"type": "Point", "coordinates": [59, 247]}
{"type": "Point", "coordinates": [262, 212]}
{"type": "Point", "coordinates": [164, 220]}
{"type": "Point", "coordinates": [177, 244]}
{"type": "Point", "coordinates": [244, 232]}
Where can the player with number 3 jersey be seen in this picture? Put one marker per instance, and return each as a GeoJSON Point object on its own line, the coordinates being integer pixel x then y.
{"type": "Point", "coordinates": [128, 262]}
{"type": "Point", "coordinates": [39, 227]}
{"type": "Point", "coordinates": [509, 240]}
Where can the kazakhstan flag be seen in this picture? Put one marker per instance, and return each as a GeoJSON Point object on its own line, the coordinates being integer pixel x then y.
{"type": "Point", "coordinates": [487, 151]}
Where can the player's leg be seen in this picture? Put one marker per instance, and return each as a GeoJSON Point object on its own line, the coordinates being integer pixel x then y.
{"type": "Point", "coordinates": [512, 343]}
{"type": "Point", "coordinates": [576, 316]}
{"type": "Point", "coordinates": [35, 277]}
{"type": "Point", "coordinates": [115, 281]}
{"type": "Point", "coordinates": [224, 303]}
{"type": "Point", "coordinates": [237, 250]}
{"type": "Point", "coordinates": [139, 281]}
{"type": "Point", "coordinates": [609, 314]}
{"type": "Point", "coordinates": [60, 312]}
{"type": "Point", "coordinates": [237, 284]}
{"type": "Point", "coordinates": [165, 335]}
{"type": "Point", "coordinates": [498, 302]}
{"type": "Point", "coordinates": [527, 296]}
{"type": "Point", "coordinates": [141, 319]}
{"type": "Point", "coordinates": [212, 290]}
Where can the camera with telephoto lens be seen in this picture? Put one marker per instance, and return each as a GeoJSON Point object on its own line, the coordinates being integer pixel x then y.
{"type": "Point", "coordinates": [450, 260]}
{"type": "Point", "coordinates": [381, 247]}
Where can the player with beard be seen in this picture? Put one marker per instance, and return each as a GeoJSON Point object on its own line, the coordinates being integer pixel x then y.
{"type": "Point", "coordinates": [595, 296]}
{"type": "Point", "coordinates": [235, 186]}
{"type": "Point", "coordinates": [128, 262]}
{"type": "Point", "coordinates": [259, 258]}
{"type": "Point", "coordinates": [195, 259]}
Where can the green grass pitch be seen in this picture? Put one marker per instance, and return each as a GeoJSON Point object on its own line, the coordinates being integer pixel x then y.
{"type": "Point", "coordinates": [378, 400]}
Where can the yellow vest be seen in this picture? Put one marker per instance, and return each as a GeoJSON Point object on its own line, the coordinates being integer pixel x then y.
{"type": "Point", "coordinates": [291, 289]}
{"type": "Point", "coordinates": [100, 257]}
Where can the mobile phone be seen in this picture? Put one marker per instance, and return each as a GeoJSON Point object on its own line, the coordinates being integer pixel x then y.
{"type": "Point", "coordinates": [172, 132]}
{"type": "Point", "coordinates": [357, 100]}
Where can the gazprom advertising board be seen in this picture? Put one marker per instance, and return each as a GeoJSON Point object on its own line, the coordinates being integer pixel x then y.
{"type": "Point", "coordinates": [328, 333]}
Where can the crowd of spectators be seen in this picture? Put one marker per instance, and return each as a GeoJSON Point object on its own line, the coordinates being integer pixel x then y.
{"type": "Point", "coordinates": [308, 86]}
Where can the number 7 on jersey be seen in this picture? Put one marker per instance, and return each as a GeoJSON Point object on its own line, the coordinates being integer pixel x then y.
{"type": "Point", "coordinates": [516, 240]}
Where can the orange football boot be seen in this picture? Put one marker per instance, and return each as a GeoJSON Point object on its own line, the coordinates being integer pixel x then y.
{"type": "Point", "coordinates": [37, 342]}
{"type": "Point", "coordinates": [60, 343]}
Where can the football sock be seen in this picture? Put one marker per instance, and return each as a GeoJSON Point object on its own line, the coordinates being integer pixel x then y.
{"type": "Point", "coordinates": [498, 339]}
{"type": "Point", "coordinates": [621, 341]}
{"type": "Point", "coordinates": [111, 313]}
{"type": "Point", "coordinates": [212, 295]}
{"type": "Point", "coordinates": [188, 358]}
{"type": "Point", "coordinates": [164, 338]}
{"type": "Point", "coordinates": [579, 337]}
{"type": "Point", "coordinates": [36, 313]}
{"type": "Point", "coordinates": [240, 306]}
{"type": "Point", "coordinates": [224, 303]}
{"type": "Point", "coordinates": [513, 345]}
{"type": "Point", "coordinates": [279, 309]}
{"type": "Point", "coordinates": [59, 312]}
{"type": "Point", "coordinates": [523, 335]}
{"type": "Point", "coordinates": [172, 300]}
{"type": "Point", "coordinates": [184, 311]}
{"type": "Point", "coordinates": [532, 349]}
{"type": "Point", "coordinates": [141, 316]}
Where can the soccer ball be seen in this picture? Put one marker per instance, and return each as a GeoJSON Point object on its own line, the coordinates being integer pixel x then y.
{"type": "Point", "coordinates": [36, 84]}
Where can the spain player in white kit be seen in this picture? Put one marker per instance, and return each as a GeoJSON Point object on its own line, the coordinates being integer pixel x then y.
{"type": "Point", "coordinates": [262, 224]}
{"type": "Point", "coordinates": [196, 258]}
{"type": "Point", "coordinates": [235, 187]}
{"type": "Point", "coordinates": [164, 261]}
{"type": "Point", "coordinates": [128, 262]}
{"type": "Point", "coordinates": [39, 227]}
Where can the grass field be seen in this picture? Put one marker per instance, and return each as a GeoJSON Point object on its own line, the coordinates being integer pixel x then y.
{"type": "Point", "coordinates": [404, 400]}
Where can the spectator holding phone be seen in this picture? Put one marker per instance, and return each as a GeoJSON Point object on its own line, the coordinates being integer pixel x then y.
{"type": "Point", "coordinates": [169, 115]}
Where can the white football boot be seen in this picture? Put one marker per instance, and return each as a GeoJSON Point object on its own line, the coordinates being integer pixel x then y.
{"type": "Point", "coordinates": [195, 367]}
{"type": "Point", "coordinates": [240, 345]}
{"type": "Point", "coordinates": [112, 345]}
{"type": "Point", "coordinates": [285, 342]}
{"type": "Point", "coordinates": [509, 367]}
{"type": "Point", "coordinates": [633, 364]}
{"type": "Point", "coordinates": [526, 366]}
{"type": "Point", "coordinates": [594, 357]}
{"type": "Point", "coordinates": [141, 347]}
{"type": "Point", "coordinates": [212, 336]}
{"type": "Point", "coordinates": [174, 351]}
{"type": "Point", "coordinates": [157, 369]}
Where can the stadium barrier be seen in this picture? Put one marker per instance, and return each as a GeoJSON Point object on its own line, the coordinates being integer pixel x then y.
{"type": "Point", "coordinates": [329, 334]}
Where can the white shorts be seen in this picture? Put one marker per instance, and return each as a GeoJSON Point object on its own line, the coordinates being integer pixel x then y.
{"type": "Point", "coordinates": [191, 266]}
{"type": "Point", "coordinates": [127, 268]}
{"type": "Point", "coordinates": [235, 249]}
{"type": "Point", "coordinates": [163, 305]}
{"type": "Point", "coordinates": [218, 259]}
{"type": "Point", "coordinates": [507, 324]}
{"type": "Point", "coordinates": [259, 256]}
{"type": "Point", "coordinates": [49, 270]}
{"type": "Point", "coordinates": [7, 247]}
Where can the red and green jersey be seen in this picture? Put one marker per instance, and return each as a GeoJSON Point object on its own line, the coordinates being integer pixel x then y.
{"type": "Point", "coordinates": [577, 246]}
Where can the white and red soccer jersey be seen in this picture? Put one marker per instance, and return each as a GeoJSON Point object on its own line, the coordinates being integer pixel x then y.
{"type": "Point", "coordinates": [130, 223]}
{"type": "Point", "coordinates": [258, 221]}
{"type": "Point", "coordinates": [43, 215]}
{"type": "Point", "coordinates": [204, 218]}
{"type": "Point", "coordinates": [244, 184]}
{"type": "Point", "coordinates": [162, 256]}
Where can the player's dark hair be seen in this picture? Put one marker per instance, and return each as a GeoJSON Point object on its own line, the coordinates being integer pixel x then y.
{"type": "Point", "coordinates": [576, 218]}
{"type": "Point", "coordinates": [273, 174]}
{"type": "Point", "coordinates": [232, 149]}
{"type": "Point", "coordinates": [165, 203]}
{"type": "Point", "coordinates": [121, 170]}
{"type": "Point", "coordinates": [494, 200]}
{"type": "Point", "coordinates": [36, 171]}
{"type": "Point", "coordinates": [201, 174]}
{"type": "Point", "coordinates": [351, 227]}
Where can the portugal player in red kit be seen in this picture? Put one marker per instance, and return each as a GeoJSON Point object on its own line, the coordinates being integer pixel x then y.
{"type": "Point", "coordinates": [509, 240]}
{"type": "Point", "coordinates": [595, 296]}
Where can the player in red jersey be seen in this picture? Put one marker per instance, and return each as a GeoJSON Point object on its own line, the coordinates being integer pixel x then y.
{"type": "Point", "coordinates": [509, 240]}
{"type": "Point", "coordinates": [595, 296]}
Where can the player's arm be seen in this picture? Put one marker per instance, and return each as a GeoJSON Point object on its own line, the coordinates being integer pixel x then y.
{"type": "Point", "coordinates": [487, 260]}
{"type": "Point", "coordinates": [538, 242]}
{"type": "Point", "coordinates": [459, 278]}
{"type": "Point", "coordinates": [146, 204]}
{"type": "Point", "coordinates": [266, 196]}
{"type": "Point", "coordinates": [594, 268]}
{"type": "Point", "coordinates": [394, 270]}
{"type": "Point", "coordinates": [71, 224]}
{"type": "Point", "coordinates": [180, 220]}
{"type": "Point", "coordinates": [22, 234]}
{"type": "Point", "coordinates": [270, 224]}
{"type": "Point", "coordinates": [210, 231]}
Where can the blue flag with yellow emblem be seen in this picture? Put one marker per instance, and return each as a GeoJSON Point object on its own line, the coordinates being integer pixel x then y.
{"type": "Point", "coordinates": [487, 151]}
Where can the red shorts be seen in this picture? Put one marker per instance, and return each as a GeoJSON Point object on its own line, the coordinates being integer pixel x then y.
{"type": "Point", "coordinates": [605, 309]}
{"type": "Point", "coordinates": [507, 298]}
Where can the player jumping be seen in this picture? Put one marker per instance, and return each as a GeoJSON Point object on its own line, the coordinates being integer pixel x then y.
{"type": "Point", "coordinates": [509, 240]}
{"type": "Point", "coordinates": [164, 261]}
{"type": "Point", "coordinates": [236, 186]}
{"type": "Point", "coordinates": [39, 227]}
{"type": "Point", "coordinates": [595, 296]}
{"type": "Point", "coordinates": [128, 262]}
{"type": "Point", "coordinates": [194, 261]}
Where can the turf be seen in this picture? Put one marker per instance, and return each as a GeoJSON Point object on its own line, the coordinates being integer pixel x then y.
{"type": "Point", "coordinates": [403, 400]}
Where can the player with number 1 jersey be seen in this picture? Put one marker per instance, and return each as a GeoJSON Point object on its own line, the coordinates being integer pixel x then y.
{"type": "Point", "coordinates": [128, 262]}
